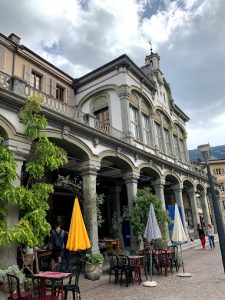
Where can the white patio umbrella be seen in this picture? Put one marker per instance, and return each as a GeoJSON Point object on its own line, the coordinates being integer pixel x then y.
{"type": "Point", "coordinates": [152, 232]}
{"type": "Point", "coordinates": [179, 237]}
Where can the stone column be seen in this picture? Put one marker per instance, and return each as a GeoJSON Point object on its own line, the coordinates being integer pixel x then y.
{"type": "Point", "coordinates": [152, 131]}
{"type": "Point", "coordinates": [186, 152]}
{"type": "Point", "coordinates": [163, 136]}
{"type": "Point", "coordinates": [131, 180]}
{"type": "Point", "coordinates": [8, 254]}
{"type": "Point", "coordinates": [124, 95]}
{"type": "Point", "coordinates": [172, 143]}
{"type": "Point", "coordinates": [205, 208]}
{"type": "Point", "coordinates": [179, 199]}
{"type": "Point", "coordinates": [159, 190]}
{"type": "Point", "coordinates": [118, 211]}
{"type": "Point", "coordinates": [88, 171]}
{"type": "Point", "coordinates": [194, 209]}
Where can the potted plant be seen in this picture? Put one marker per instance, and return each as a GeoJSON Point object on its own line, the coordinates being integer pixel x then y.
{"type": "Point", "coordinates": [93, 265]}
{"type": "Point", "coordinates": [4, 288]}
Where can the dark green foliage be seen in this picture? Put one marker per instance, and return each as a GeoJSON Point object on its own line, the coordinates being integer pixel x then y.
{"type": "Point", "coordinates": [32, 198]}
{"type": "Point", "coordinates": [139, 215]}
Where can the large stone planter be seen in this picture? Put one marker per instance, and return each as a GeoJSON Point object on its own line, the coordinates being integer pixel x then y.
{"type": "Point", "coordinates": [93, 271]}
{"type": "Point", "coordinates": [4, 292]}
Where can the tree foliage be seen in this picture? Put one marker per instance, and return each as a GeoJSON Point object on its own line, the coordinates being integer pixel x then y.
{"type": "Point", "coordinates": [75, 186]}
{"type": "Point", "coordinates": [139, 215]}
{"type": "Point", "coordinates": [32, 198]}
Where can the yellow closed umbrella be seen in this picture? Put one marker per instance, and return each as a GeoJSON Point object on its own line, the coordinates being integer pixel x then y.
{"type": "Point", "coordinates": [78, 238]}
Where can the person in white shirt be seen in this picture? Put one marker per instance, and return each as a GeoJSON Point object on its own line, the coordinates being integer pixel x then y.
{"type": "Point", "coordinates": [210, 231]}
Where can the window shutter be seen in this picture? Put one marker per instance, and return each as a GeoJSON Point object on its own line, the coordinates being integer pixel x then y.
{"type": "Point", "coordinates": [70, 97]}
{"type": "Point", "coordinates": [27, 73]}
{"type": "Point", "coordinates": [2, 58]}
{"type": "Point", "coordinates": [53, 88]}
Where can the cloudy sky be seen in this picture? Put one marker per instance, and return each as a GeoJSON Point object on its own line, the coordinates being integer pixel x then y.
{"type": "Point", "coordinates": [189, 35]}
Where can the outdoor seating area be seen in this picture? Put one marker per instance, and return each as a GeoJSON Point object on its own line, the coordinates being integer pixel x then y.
{"type": "Point", "coordinates": [131, 269]}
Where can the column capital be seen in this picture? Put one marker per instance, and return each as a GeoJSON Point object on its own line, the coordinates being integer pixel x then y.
{"type": "Point", "coordinates": [131, 177]}
{"type": "Point", "coordinates": [159, 182]}
{"type": "Point", "coordinates": [124, 92]}
{"type": "Point", "coordinates": [202, 193]}
{"type": "Point", "coordinates": [191, 191]}
{"type": "Point", "coordinates": [89, 167]}
{"type": "Point", "coordinates": [20, 149]}
{"type": "Point", "coordinates": [178, 187]}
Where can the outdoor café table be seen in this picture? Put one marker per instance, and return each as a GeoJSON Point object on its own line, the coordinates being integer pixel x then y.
{"type": "Point", "coordinates": [52, 276]}
{"type": "Point", "coordinates": [110, 243]}
{"type": "Point", "coordinates": [136, 264]}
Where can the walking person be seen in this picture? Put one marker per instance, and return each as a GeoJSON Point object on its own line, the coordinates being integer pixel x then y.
{"type": "Point", "coordinates": [201, 233]}
{"type": "Point", "coordinates": [210, 231]}
{"type": "Point", "coordinates": [58, 235]}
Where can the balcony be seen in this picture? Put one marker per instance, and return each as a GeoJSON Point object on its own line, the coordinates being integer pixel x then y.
{"type": "Point", "coordinates": [21, 88]}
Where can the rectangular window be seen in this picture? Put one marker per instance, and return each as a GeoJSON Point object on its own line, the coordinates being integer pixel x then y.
{"type": "Point", "coordinates": [218, 172]}
{"type": "Point", "coordinates": [167, 141]}
{"type": "Point", "coordinates": [146, 130]}
{"type": "Point", "coordinates": [36, 81]}
{"type": "Point", "coordinates": [159, 136]}
{"type": "Point", "coordinates": [103, 123]}
{"type": "Point", "coordinates": [102, 115]}
{"type": "Point", "coordinates": [222, 187]}
{"type": "Point", "coordinates": [134, 125]}
{"type": "Point", "coordinates": [59, 92]}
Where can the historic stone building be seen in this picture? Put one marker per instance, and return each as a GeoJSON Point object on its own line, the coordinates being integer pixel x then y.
{"type": "Point", "coordinates": [120, 128]}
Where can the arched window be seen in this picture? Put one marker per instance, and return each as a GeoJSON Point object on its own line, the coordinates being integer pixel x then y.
{"type": "Point", "coordinates": [163, 136]}
{"type": "Point", "coordinates": [179, 143]}
{"type": "Point", "coordinates": [140, 118]}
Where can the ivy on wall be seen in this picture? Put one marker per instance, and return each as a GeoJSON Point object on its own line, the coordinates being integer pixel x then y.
{"type": "Point", "coordinates": [31, 198]}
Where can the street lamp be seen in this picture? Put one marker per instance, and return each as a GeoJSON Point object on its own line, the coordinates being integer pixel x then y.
{"type": "Point", "coordinates": [205, 151]}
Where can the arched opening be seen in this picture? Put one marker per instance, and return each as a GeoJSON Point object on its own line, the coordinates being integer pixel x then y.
{"type": "Point", "coordinates": [110, 183]}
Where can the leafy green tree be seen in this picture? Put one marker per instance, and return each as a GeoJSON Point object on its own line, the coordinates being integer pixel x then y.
{"type": "Point", "coordinates": [32, 197]}
{"type": "Point", "coordinates": [139, 214]}
{"type": "Point", "coordinates": [75, 186]}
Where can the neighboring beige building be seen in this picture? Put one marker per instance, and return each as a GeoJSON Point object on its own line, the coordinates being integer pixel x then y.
{"type": "Point", "coordinates": [217, 167]}
{"type": "Point", "coordinates": [120, 127]}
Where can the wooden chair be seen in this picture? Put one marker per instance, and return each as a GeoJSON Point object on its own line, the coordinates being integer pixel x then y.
{"type": "Point", "coordinates": [28, 262]}
{"type": "Point", "coordinates": [14, 289]}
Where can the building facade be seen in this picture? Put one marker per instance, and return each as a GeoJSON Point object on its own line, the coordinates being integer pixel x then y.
{"type": "Point", "coordinates": [121, 130]}
{"type": "Point", "coordinates": [217, 167]}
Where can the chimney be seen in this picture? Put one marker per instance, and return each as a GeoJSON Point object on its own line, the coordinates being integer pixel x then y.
{"type": "Point", "coordinates": [14, 38]}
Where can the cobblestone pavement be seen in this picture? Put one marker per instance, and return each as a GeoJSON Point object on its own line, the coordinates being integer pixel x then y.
{"type": "Point", "coordinates": [207, 282]}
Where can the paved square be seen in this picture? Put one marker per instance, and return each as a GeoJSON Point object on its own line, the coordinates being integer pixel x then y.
{"type": "Point", "coordinates": [207, 282]}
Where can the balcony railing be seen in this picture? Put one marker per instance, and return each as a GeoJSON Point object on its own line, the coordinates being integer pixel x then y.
{"type": "Point", "coordinates": [21, 88]}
